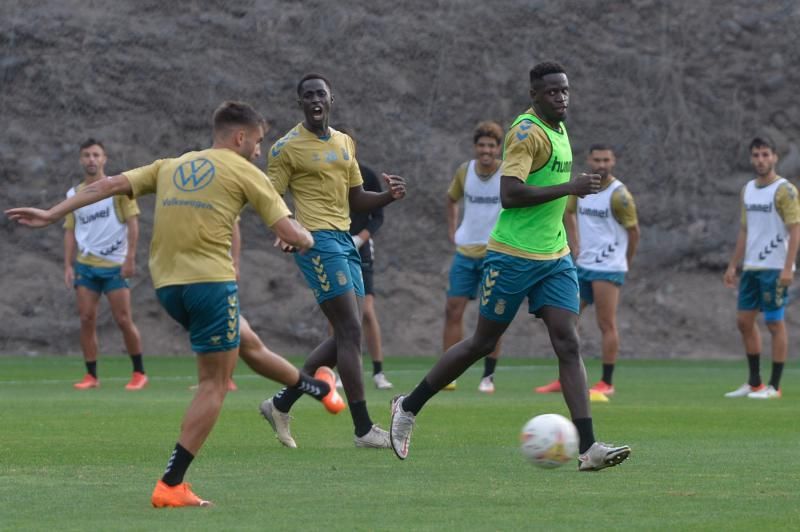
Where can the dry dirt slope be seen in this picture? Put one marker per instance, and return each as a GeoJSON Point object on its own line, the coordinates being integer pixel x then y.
{"type": "Point", "coordinates": [677, 87]}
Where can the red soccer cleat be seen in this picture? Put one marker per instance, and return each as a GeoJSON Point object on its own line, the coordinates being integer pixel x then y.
{"type": "Point", "coordinates": [553, 387]}
{"type": "Point", "coordinates": [333, 401]}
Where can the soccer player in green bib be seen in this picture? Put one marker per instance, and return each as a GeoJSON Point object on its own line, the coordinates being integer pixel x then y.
{"type": "Point", "coordinates": [528, 257]}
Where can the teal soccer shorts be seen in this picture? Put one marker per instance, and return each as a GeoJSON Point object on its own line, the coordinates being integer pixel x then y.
{"type": "Point", "coordinates": [333, 266]}
{"type": "Point", "coordinates": [209, 311]}
{"type": "Point", "coordinates": [100, 280]}
{"type": "Point", "coordinates": [508, 280]}
{"type": "Point", "coordinates": [586, 277]}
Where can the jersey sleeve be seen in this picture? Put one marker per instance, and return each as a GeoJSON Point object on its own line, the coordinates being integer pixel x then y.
{"type": "Point", "coordinates": [456, 190]}
{"type": "Point", "coordinates": [527, 150]}
{"type": "Point", "coordinates": [144, 179]}
{"type": "Point", "coordinates": [787, 203]}
{"type": "Point", "coordinates": [263, 196]}
{"type": "Point", "coordinates": [129, 207]}
{"type": "Point", "coordinates": [69, 221]}
{"type": "Point", "coordinates": [623, 208]}
{"type": "Point", "coordinates": [279, 168]}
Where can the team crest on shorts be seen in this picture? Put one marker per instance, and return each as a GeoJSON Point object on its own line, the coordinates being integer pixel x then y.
{"type": "Point", "coordinates": [767, 297]}
{"type": "Point", "coordinates": [215, 340]}
{"type": "Point", "coordinates": [341, 278]}
{"type": "Point", "coordinates": [500, 307]}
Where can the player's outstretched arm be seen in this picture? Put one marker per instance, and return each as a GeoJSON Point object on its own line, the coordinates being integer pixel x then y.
{"type": "Point", "coordinates": [363, 201]}
{"type": "Point", "coordinates": [104, 188]}
{"type": "Point", "coordinates": [291, 235]}
{"type": "Point", "coordinates": [515, 194]}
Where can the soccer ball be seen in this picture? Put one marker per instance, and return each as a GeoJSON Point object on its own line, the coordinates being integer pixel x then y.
{"type": "Point", "coordinates": [549, 440]}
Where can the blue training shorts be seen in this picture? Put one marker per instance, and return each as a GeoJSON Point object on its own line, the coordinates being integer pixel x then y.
{"type": "Point", "coordinates": [586, 277]}
{"type": "Point", "coordinates": [209, 311]}
{"type": "Point", "coordinates": [760, 290]}
{"type": "Point", "coordinates": [100, 280]}
{"type": "Point", "coordinates": [465, 276]}
{"type": "Point", "coordinates": [333, 266]}
{"type": "Point", "coordinates": [507, 280]}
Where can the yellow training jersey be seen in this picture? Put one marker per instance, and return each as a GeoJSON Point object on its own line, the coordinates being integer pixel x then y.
{"type": "Point", "coordinates": [786, 203]}
{"type": "Point", "coordinates": [623, 208]}
{"type": "Point", "coordinates": [319, 172]}
{"type": "Point", "coordinates": [199, 195]}
{"type": "Point", "coordinates": [124, 209]}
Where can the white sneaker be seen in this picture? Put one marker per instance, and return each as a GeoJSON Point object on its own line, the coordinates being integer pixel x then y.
{"type": "Point", "coordinates": [768, 392]}
{"type": "Point", "coordinates": [600, 456]}
{"type": "Point", "coordinates": [744, 390]}
{"type": "Point", "coordinates": [376, 438]}
{"type": "Point", "coordinates": [381, 382]}
{"type": "Point", "coordinates": [486, 385]}
{"type": "Point", "coordinates": [279, 423]}
{"type": "Point", "coordinates": [401, 428]}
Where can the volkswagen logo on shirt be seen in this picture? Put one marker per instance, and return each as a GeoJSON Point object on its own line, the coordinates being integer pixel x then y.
{"type": "Point", "coordinates": [194, 175]}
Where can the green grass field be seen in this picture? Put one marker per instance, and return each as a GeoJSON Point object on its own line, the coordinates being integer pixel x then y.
{"type": "Point", "coordinates": [74, 460]}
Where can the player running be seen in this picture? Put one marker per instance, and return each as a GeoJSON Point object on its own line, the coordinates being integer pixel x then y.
{"type": "Point", "coordinates": [198, 198]}
{"type": "Point", "coordinates": [99, 257]}
{"type": "Point", "coordinates": [477, 183]}
{"type": "Point", "coordinates": [528, 257]}
{"type": "Point", "coordinates": [317, 164]}
{"type": "Point", "coordinates": [603, 232]}
{"type": "Point", "coordinates": [768, 240]}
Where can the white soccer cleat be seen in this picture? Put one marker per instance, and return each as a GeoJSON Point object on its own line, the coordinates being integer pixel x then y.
{"type": "Point", "coordinates": [381, 382]}
{"type": "Point", "coordinates": [768, 392]}
{"type": "Point", "coordinates": [486, 385]}
{"type": "Point", "coordinates": [376, 438]}
{"type": "Point", "coordinates": [401, 428]}
{"type": "Point", "coordinates": [600, 456]}
{"type": "Point", "coordinates": [744, 390]}
{"type": "Point", "coordinates": [279, 423]}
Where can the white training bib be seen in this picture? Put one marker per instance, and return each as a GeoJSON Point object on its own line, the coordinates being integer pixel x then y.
{"type": "Point", "coordinates": [603, 240]}
{"type": "Point", "coordinates": [481, 207]}
{"type": "Point", "coordinates": [99, 232]}
{"type": "Point", "coordinates": [767, 237]}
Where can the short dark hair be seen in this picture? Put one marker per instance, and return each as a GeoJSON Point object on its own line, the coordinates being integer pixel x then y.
{"type": "Point", "coordinates": [542, 69]}
{"type": "Point", "coordinates": [763, 142]}
{"type": "Point", "coordinates": [231, 113]}
{"type": "Point", "coordinates": [313, 76]}
{"type": "Point", "coordinates": [91, 141]}
{"type": "Point", "coordinates": [601, 147]}
{"type": "Point", "coordinates": [490, 129]}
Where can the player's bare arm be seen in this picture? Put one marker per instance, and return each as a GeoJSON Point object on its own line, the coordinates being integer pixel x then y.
{"type": "Point", "coordinates": [634, 233]}
{"type": "Point", "coordinates": [99, 190]}
{"type": "Point", "coordinates": [129, 266]}
{"type": "Point", "coordinates": [292, 236]}
{"type": "Point", "coordinates": [364, 201]}
{"type": "Point", "coordinates": [571, 226]}
{"type": "Point", "coordinates": [787, 274]}
{"type": "Point", "coordinates": [452, 218]}
{"type": "Point", "coordinates": [515, 194]}
{"type": "Point", "coordinates": [738, 254]}
{"type": "Point", "coordinates": [70, 247]}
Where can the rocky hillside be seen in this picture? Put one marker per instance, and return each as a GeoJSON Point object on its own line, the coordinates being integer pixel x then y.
{"type": "Point", "coordinates": [679, 88]}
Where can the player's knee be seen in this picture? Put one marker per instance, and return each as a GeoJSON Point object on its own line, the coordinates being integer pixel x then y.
{"type": "Point", "coordinates": [607, 326]}
{"type": "Point", "coordinates": [482, 346]}
{"type": "Point", "coordinates": [347, 330]}
{"type": "Point", "coordinates": [566, 345]}
{"type": "Point", "coordinates": [745, 324]}
{"type": "Point", "coordinates": [88, 319]}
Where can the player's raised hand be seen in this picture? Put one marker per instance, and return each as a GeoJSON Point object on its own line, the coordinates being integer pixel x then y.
{"type": "Point", "coordinates": [397, 185]}
{"type": "Point", "coordinates": [30, 216]}
{"type": "Point", "coordinates": [585, 184]}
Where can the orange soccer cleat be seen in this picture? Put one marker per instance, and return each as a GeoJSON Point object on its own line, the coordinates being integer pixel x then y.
{"type": "Point", "coordinates": [137, 382]}
{"type": "Point", "coordinates": [603, 387]}
{"type": "Point", "coordinates": [333, 401]}
{"type": "Point", "coordinates": [552, 387]}
{"type": "Point", "coordinates": [165, 496]}
{"type": "Point", "coordinates": [87, 382]}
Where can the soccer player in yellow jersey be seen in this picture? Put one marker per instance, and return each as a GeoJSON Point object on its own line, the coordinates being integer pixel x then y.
{"type": "Point", "coordinates": [603, 232]}
{"type": "Point", "coordinates": [317, 164]}
{"type": "Point", "coordinates": [198, 198]}
{"type": "Point", "coordinates": [99, 257]}
{"type": "Point", "coordinates": [767, 244]}
{"type": "Point", "coordinates": [528, 258]}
